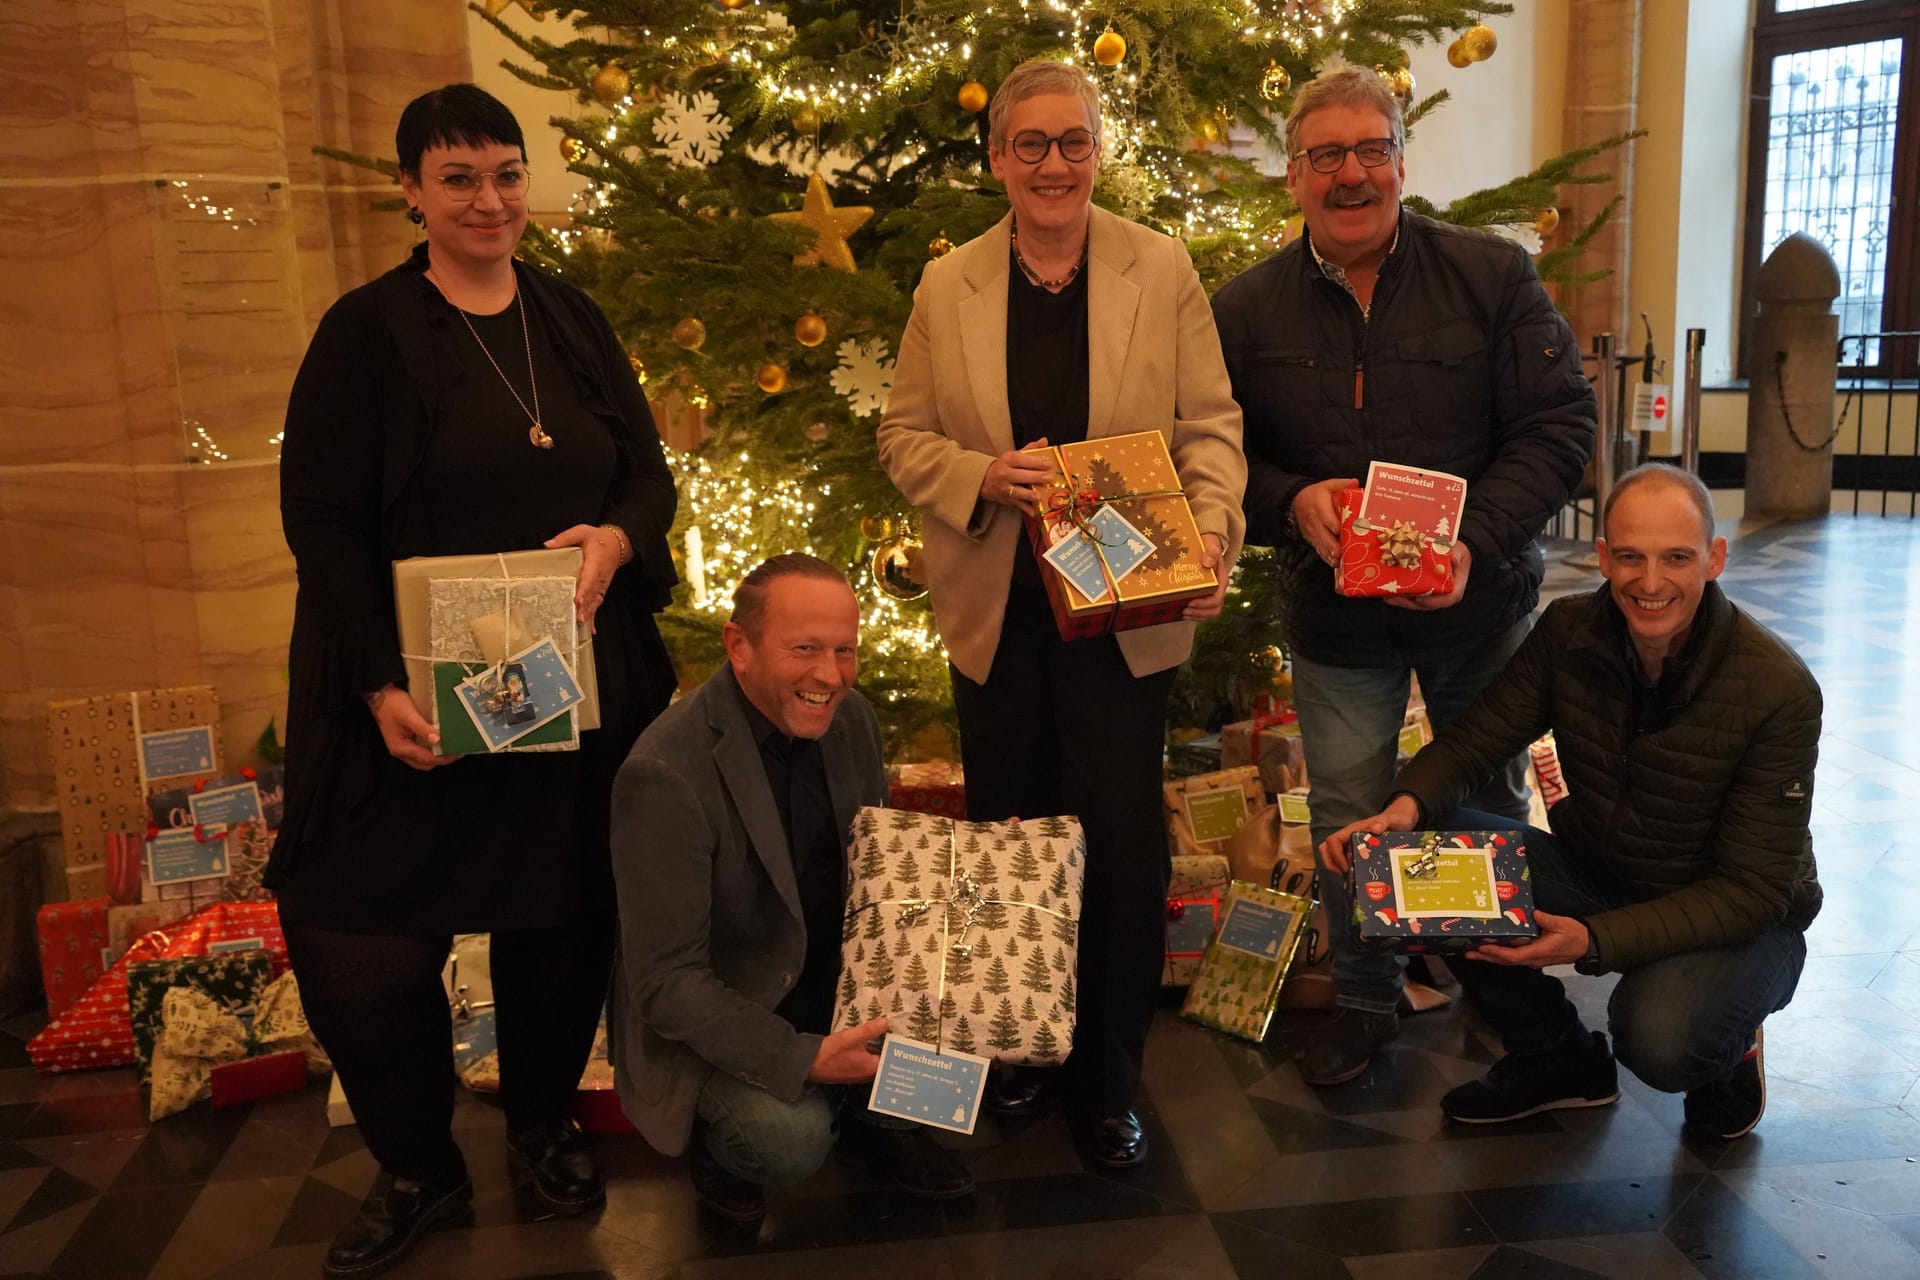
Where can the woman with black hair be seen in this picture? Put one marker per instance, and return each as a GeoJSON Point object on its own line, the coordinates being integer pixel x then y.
{"type": "Point", "coordinates": [461, 403]}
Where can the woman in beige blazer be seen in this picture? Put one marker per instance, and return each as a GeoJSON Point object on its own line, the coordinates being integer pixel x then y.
{"type": "Point", "coordinates": [1063, 323]}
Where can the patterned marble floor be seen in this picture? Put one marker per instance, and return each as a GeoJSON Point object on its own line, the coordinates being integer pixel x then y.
{"type": "Point", "coordinates": [1255, 1174]}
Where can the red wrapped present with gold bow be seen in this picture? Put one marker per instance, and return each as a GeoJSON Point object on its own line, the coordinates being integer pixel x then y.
{"type": "Point", "coordinates": [1138, 572]}
{"type": "Point", "coordinates": [1388, 559]}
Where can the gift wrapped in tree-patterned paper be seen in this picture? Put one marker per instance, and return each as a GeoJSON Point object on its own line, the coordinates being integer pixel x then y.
{"type": "Point", "coordinates": [1238, 984]}
{"type": "Point", "coordinates": [964, 935]}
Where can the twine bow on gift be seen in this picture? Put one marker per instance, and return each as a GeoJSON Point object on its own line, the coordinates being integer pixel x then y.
{"type": "Point", "coordinates": [1072, 501]}
{"type": "Point", "coordinates": [198, 1033]}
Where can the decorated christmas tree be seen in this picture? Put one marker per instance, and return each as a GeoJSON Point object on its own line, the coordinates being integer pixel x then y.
{"type": "Point", "coordinates": [761, 182]}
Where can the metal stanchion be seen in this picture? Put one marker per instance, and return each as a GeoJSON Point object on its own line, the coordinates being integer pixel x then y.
{"type": "Point", "coordinates": [1690, 403]}
{"type": "Point", "coordinates": [1605, 375]}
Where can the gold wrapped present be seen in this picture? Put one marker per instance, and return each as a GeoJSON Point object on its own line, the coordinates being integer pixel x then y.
{"type": "Point", "coordinates": [1193, 909]}
{"type": "Point", "coordinates": [1238, 983]}
{"type": "Point", "coordinates": [1207, 809]}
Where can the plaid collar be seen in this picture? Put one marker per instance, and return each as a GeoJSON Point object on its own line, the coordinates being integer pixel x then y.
{"type": "Point", "coordinates": [1338, 274]}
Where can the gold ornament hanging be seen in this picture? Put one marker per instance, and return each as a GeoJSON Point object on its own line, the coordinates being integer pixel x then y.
{"type": "Point", "coordinates": [1458, 56]}
{"type": "Point", "coordinates": [876, 528]}
{"type": "Point", "coordinates": [733, 4]}
{"type": "Point", "coordinates": [1400, 80]}
{"type": "Point", "coordinates": [1275, 82]}
{"type": "Point", "coordinates": [611, 83]}
{"type": "Point", "coordinates": [1110, 48]}
{"type": "Point", "coordinates": [806, 120]}
{"type": "Point", "coordinates": [690, 334]}
{"type": "Point", "coordinates": [1479, 42]}
{"type": "Point", "coordinates": [972, 97]}
{"type": "Point", "coordinates": [939, 246]}
{"type": "Point", "coordinates": [772, 378]}
{"type": "Point", "coordinates": [810, 330]}
{"type": "Point", "coordinates": [639, 370]}
{"type": "Point", "coordinates": [1548, 221]}
{"type": "Point", "coordinates": [572, 150]}
{"type": "Point", "coordinates": [831, 226]}
{"type": "Point", "coordinates": [896, 567]}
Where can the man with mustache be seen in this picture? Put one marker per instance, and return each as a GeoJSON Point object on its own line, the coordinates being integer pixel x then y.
{"type": "Point", "coordinates": [1382, 334]}
{"type": "Point", "coordinates": [730, 821]}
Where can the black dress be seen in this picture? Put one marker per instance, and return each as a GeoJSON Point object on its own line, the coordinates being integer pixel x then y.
{"type": "Point", "coordinates": [403, 441]}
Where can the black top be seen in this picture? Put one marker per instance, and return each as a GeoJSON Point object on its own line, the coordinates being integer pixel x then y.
{"type": "Point", "coordinates": [1047, 380]}
{"type": "Point", "coordinates": [401, 440]}
{"type": "Point", "coordinates": [798, 778]}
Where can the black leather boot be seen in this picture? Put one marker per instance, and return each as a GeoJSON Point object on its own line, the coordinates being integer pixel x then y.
{"type": "Point", "coordinates": [393, 1217]}
{"type": "Point", "coordinates": [556, 1154]}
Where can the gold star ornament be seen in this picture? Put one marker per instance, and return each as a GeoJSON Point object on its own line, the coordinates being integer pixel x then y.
{"type": "Point", "coordinates": [831, 227]}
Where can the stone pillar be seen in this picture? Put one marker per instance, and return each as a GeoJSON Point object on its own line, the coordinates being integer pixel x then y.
{"type": "Point", "coordinates": [1602, 100]}
{"type": "Point", "coordinates": [169, 242]}
{"type": "Point", "coordinates": [1791, 373]}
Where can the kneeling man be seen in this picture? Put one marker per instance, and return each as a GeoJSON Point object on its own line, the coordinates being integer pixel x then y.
{"type": "Point", "coordinates": [1679, 858]}
{"type": "Point", "coordinates": [730, 822]}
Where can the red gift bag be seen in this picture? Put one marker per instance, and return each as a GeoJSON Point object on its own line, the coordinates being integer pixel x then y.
{"type": "Point", "coordinates": [1381, 561]}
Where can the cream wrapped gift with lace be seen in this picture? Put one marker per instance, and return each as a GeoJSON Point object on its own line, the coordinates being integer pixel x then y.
{"type": "Point", "coordinates": [964, 934]}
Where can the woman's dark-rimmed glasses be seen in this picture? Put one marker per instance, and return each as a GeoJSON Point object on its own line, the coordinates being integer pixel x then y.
{"type": "Point", "coordinates": [1030, 146]}
{"type": "Point", "coordinates": [1327, 158]}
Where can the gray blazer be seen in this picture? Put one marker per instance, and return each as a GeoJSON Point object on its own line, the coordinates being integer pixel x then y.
{"type": "Point", "coordinates": [711, 935]}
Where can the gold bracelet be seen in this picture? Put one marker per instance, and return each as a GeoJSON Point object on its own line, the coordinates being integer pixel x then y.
{"type": "Point", "coordinates": [620, 536]}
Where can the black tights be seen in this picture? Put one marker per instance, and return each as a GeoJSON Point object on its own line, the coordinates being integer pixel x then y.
{"type": "Point", "coordinates": [376, 1004]}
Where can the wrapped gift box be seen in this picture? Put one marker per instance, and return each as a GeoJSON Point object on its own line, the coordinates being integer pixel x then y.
{"type": "Point", "coordinates": [476, 1050]}
{"type": "Point", "coordinates": [596, 1107]}
{"type": "Point", "coordinates": [1200, 753]}
{"type": "Point", "coordinates": [1445, 891]}
{"type": "Point", "coordinates": [74, 948]}
{"type": "Point", "coordinates": [1388, 561]}
{"type": "Point", "coordinates": [250, 1079]}
{"type": "Point", "coordinates": [1132, 476]}
{"type": "Point", "coordinates": [1237, 986]}
{"type": "Point", "coordinates": [965, 935]}
{"type": "Point", "coordinates": [232, 979]}
{"type": "Point", "coordinates": [459, 614]}
{"type": "Point", "coordinates": [108, 753]}
{"type": "Point", "coordinates": [126, 925]}
{"type": "Point", "coordinates": [1193, 909]}
{"type": "Point", "coordinates": [1549, 783]}
{"type": "Point", "coordinates": [207, 1046]}
{"type": "Point", "coordinates": [1207, 809]}
{"type": "Point", "coordinates": [1272, 744]}
{"type": "Point", "coordinates": [936, 786]}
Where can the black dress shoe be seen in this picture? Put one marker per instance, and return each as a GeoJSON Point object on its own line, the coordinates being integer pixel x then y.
{"type": "Point", "coordinates": [1115, 1142]}
{"type": "Point", "coordinates": [556, 1154]}
{"type": "Point", "coordinates": [393, 1217]}
{"type": "Point", "coordinates": [720, 1193]}
{"type": "Point", "coordinates": [911, 1160]}
{"type": "Point", "coordinates": [1016, 1092]}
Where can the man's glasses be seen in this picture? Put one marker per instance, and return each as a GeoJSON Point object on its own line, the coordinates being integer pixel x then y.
{"type": "Point", "coordinates": [509, 184]}
{"type": "Point", "coordinates": [1031, 146]}
{"type": "Point", "coordinates": [1370, 152]}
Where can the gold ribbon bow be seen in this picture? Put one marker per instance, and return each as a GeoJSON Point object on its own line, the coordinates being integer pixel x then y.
{"type": "Point", "coordinates": [1400, 546]}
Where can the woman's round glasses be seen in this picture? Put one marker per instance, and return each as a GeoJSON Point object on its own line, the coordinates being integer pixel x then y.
{"type": "Point", "coordinates": [509, 184]}
{"type": "Point", "coordinates": [1031, 145]}
{"type": "Point", "coordinates": [1370, 152]}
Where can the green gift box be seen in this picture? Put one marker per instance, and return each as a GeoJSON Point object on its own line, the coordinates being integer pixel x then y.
{"type": "Point", "coordinates": [233, 979]}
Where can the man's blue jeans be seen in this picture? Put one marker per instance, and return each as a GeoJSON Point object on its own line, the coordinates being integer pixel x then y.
{"type": "Point", "coordinates": [760, 1138]}
{"type": "Point", "coordinates": [1350, 720]}
{"type": "Point", "coordinates": [1677, 1023]}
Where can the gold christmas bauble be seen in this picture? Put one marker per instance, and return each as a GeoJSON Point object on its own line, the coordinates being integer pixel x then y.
{"type": "Point", "coordinates": [810, 330]}
{"type": "Point", "coordinates": [1479, 42]}
{"type": "Point", "coordinates": [876, 528]}
{"type": "Point", "coordinates": [806, 120]}
{"type": "Point", "coordinates": [1110, 48]}
{"type": "Point", "coordinates": [1400, 80]}
{"type": "Point", "coordinates": [690, 333]}
{"type": "Point", "coordinates": [1458, 56]}
{"type": "Point", "coordinates": [939, 246]}
{"type": "Point", "coordinates": [772, 378]}
{"type": "Point", "coordinates": [1275, 82]}
{"type": "Point", "coordinates": [733, 4]}
{"type": "Point", "coordinates": [1547, 222]}
{"type": "Point", "coordinates": [611, 83]}
{"type": "Point", "coordinates": [1207, 130]}
{"type": "Point", "coordinates": [896, 567]}
{"type": "Point", "coordinates": [572, 150]}
{"type": "Point", "coordinates": [639, 370]}
{"type": "Point", "coordinates": [972, 96]}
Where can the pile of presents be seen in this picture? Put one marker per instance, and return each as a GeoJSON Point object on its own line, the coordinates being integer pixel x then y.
{"type": "Point", "coordinates": [160, 948]}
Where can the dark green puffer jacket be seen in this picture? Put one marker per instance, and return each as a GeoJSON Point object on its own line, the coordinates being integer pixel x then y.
{"type": "Point", "coordinates": [1699, 817]}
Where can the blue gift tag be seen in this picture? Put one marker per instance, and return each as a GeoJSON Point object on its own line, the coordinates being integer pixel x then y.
{"type": "Point", "coordinates": [174, 856]}
{"type": "Point", "coordinates": [1256, 928]}
{"type": "Point", "coordinates": [177, 752]}
{"type": "Point", "coordinates": [510, 701]}
{"type": "Point", "coordinates": [1077, 556]}
{"type": "Point", "coordinates": [917, 1082]}
{"type": "Point", "coordinates": [1189, 933]}
{"type": "Point", "coordinates": [224, 806]}
{"type": "Point", "coordinates": [473, 1039]}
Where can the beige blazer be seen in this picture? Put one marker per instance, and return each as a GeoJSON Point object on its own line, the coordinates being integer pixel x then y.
{"type": "Point", "coordinates": [1154, 364]}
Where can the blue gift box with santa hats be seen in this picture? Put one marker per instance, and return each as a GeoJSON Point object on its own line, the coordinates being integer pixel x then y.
{"type": "Point", "coordinates": [1441, 891]}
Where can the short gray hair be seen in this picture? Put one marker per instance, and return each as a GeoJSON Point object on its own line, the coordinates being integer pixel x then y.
{"type": "Point", "coordinates": [1347, 87]}
{"type": "Point", "coordinates": [1672, 477]}
{"type": "Point", "coordinates": [1033, 78]}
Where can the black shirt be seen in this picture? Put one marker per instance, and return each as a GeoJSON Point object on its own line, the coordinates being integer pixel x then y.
{"type": "Point", "coordinates": [1047, 379]}
{"type": "Point", "coordinates": [797, 776]}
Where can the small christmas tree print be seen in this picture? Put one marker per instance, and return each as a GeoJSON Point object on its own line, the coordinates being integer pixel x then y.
{"type": "Point", "coordinates": [1066, 930]}
{"type": "Point", "coordinates": [959, 968]}
{"type": "Point", "coordinates": [1054, 828]}
{"type": "Point", "coordinates": [979, 1005]}
{"type": "Point", "coordinates": [1027, 1012]}
{"type": "Point", "coordinates": [993, 915]}
{"type": "Point", "coordinates": [932, 945]}
{"type": "Point", "coordinates": [1003, 1033]}
{"type": "Point", "coordinates": [1046, 1045]}
{"type": "Point", "coordinates": [1035, 975]}
{"type": "Point", "coordinates": [1025, 867]}
{"type": "Point", "coordinates": [872, 864]}
{"type": "Point", "coordinates": [876, 928]}
{"type": "Point", "coordinates": [984, 872]}
{"type": "Point", "coordinates": [880, 969]}
{"type": "Point", "coordinates": [1066, 993]}
{"type": "Point", "coordinates": [873, 1008]}
{"type": "Point", "coordinates": [1030, 925]}
{"type": "Point", "coordinates": [903, 820]}
{"type": "Point", "coordinates": [849, 989]}
{"type": "Point", "coordinates": [922, 1025]}
{"type": "Point", "coordinates": [996, 979]}
{"type": "Point", "coordinates": [949, 1007]}
{"type": "Point", "coordinates": [1059, 959]}
{"type": "Point", "coordinates": [898, 1003]}
{"type": "Point", "coordinates": [962, 1038]}
{"type": "Point", "coordinates": [908, 867]}
{"type": "Point", "coordinates": [859, 953]}
{"type": "Point", "coordinates": [1058, 884]}
{"type": "Point", "coordinates": [865, 823]}
{"type": "Point", "coordinates": [915, 978]}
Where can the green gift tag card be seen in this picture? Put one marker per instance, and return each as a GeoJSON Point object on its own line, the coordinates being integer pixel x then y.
{"type": "Point", "coordinates": [1294, 809]}
{"type": "Point", "coordinates": [1460, 884]}
{"type": "Point", "coordinates": [1411, 740]}
{"type": "Point", "coordinates": [458, 734]}
{"type": "Point", "coordinates": [1216, 815]}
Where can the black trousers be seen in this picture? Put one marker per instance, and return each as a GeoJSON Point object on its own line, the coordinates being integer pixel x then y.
{"type": "Point", "coordinates": [1065, 728]}
{"type": "Point", "coordinates": [377, 1006]}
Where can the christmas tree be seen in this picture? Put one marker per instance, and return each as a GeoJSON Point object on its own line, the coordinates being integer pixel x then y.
{"type": "Point", "coordinates": [762, 181]}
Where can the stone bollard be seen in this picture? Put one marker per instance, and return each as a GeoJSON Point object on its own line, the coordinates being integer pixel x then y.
{"type": "Point", "coordinates": [1791, 372]}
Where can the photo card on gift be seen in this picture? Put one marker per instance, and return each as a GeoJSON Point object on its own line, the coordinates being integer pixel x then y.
{"type": "Point", "coordinates": [520, 695]}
